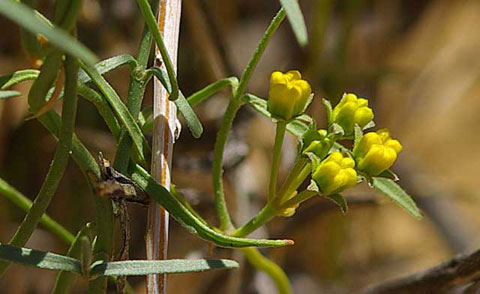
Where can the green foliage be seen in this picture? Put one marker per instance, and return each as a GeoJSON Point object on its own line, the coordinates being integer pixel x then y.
{"type": "Point", "coordinates": [9, 94]}
{"type": "Point", "coordinates": [295, 16]}
{"type": "Point", "coordinates": [91, 249]}
{"type": "Point", "coordinates": [32, 21]}
{"type": "Point", "coordinates": [56, 262]}
{"type": "Point", "coordinates": [392, 190]}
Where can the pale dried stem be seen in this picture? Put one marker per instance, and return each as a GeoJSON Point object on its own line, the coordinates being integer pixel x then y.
{"type": "Point", "coordinates": [164, 132]}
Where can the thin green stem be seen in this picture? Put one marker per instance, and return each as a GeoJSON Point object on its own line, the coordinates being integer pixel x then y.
{"type": "Point", "coordinates": [298, 166]}
{"type": "Point", "coordinates": [264, 264]}
{"type": "Point", "coordinates": [22, 202]}
{"type": "Point", "coordinates": [294, 180]}
{"type": "Point", "coordinates": [297, 199]}
{"type": "Point", "coordinates": [205, 93]}
{"type": "Point", "coordinates": [252, 64]}
{"type": "Point", "coordinates": [217, 169]}
{"type": "Point", "coordinates": [227, 120]}
{"type": "Point", "coordinates": [135, 97]}
{"type": "Point", "coordinates": [59, 162]}
{"type": "Point", "coordinates": [151, 22]}
{"type": "Point", "coordinates": [265, 215]}
{"type": "Point", "coordinates": [277, 156]}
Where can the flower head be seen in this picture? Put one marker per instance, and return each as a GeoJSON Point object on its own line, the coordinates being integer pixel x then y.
{"type": "Point", "coordinates": [288, 94]}
{"type": "Point", "coordinates": [376, 152]}
{"type": "Point", "coordinates": [335, 174]}
{"type": "Point", "coordinates": [350, 111]}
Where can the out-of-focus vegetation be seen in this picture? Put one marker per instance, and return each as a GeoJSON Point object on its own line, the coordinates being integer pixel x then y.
{"type": "Point", "coordinates": [417, 62]}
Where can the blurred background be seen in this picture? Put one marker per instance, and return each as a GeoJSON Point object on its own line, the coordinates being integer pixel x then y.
{"type": "Point", "coordinates": [416, 61]}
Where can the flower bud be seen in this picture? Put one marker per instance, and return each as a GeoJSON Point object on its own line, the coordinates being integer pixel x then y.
{"type": "Point", "coordinates": [376, 152]}
{"type": "Point", "coordinates": [317, 142]}
{"type": "Point", "coordinates": [350, 111]}
{"type": "Point", "coordinates": [335, 174]}
{"type": "Point", "coordinates": [288, 94]}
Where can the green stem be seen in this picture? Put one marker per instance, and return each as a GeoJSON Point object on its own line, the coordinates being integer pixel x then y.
{"type": "Point", "coordinates": [296, 177]}
{"type": "Point", "coordinates": [264, 264]}
{"type": "Point", "coordinates": [59, 162]}
{"type": "Point", "coordinates": [252, 64]}
{"type": "Point", "coordinates": [135, 97]}
{"type": "Point", "coordinates": [277, 156]}
{"type": "Point", "coordinates": [265, 215]}
{"type": "Point", "coordinates": [217, 169]}
{"type": "Point", "coordinates": [232, 108]}
{"type": "Point", "coordinates": [151, 22]}
{"type": "Point", "coordinates": [297, 199]}
{"type": "Point", "coordinates": [22, 202]}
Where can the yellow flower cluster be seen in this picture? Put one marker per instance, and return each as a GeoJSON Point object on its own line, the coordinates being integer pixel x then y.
{"type": "Point", "coordinates": [335, 174]}
{"type": "Point", "coordinates": [288, 94]}
{"type": "Point", "coordinates": [350, 111]}
{"type": "Point", "coordinates": [376, 152]}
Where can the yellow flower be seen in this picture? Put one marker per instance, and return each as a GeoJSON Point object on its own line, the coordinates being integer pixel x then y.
{"type": "Point", "coordinates": [376, 152]}
{"type": "Point", "coordinates": [335, 174]}
{"type": "Point", "coordinates": [350, 111]}
{"type": "Point", "coordinates": [288, 94]}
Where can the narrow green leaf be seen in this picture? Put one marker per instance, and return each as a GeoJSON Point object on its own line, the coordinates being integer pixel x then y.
{"type": "Point", "coordinates": [122, 112]}
{"type": "Point", "coordinates": [22, 202]}
{"type": "Point", "coordinates": [340, 201]}
{"type": "Point", "coordinates": [28, 19]}
{"type": "Point", "coordinates": [182, 104]}
{"type": "Point", "coordinates": [392, 190]}
{"type": "Point", "coordinates": [40, 259]}
{"type": "Point", "coordinates": [172, 266]}
{"type": "Point", "coordinates": [358, 135]}
{"type": "Point", "coordinates": [65, 280]}
{"type": "Point", "coordinates": [8, 80]}
{"type": "Point", "coordinates": [9, 94]}
{"type": "Point", "coordinates": [211, 89]}
{"type": "Point", "coordinates": [295, 16]}
{"type": "Point", "coordinates": [188, 220]}
{"type": "Point", "coordinates": [37, 96]}
{"type": "Point", "coordinates": [108, 65]}
{"type": "Point", "coordinates": [157, 36]}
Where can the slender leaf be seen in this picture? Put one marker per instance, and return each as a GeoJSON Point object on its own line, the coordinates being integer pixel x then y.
{"type": "Point", "coordinates": [211, 89]}
{"type": "Point", "coordinates": [392, 190]}
{"type": "Point", "coordinates": [188, 220]}
{"type": "Point", "coordinates": [157, 36]}
{"type": "Point", "coordinates": [8, 80]}
{"type": "Point", "coordinates": [182, 104]}
{"type": "Point", "coordinates": [9, 94]}
{"type": "Point", "coordinates": [108, 65]}
{"type": "Point", "coordinates": [329, 109]}
{"type": "Point", "coordinates": [66, 280]}
{"type": "Point", "coordinates": [29, 19]}
{"type": "Point", "coordinates": [22, 202]}
{"type": "Point", "coordinates": [340, 201]}
{"type": "Point", "coordinates": [40, 259]}
{"type": "Point", "coordinates": [295, 16]}
{"type": "Point", "coordinates": [121, 110]}
{"type": "Point", "coordinates": [37, 96]}
{"type": "Point", "coordinates": [172, 266]}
